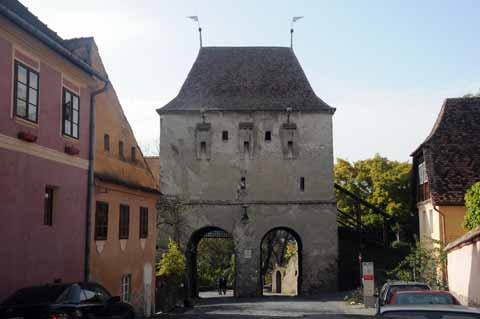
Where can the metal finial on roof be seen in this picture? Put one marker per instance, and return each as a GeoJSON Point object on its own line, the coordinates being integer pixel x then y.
{"type": "Point", "coordinates": [294, 19]}
{"type": "Point", "coordinates": [195, 18]}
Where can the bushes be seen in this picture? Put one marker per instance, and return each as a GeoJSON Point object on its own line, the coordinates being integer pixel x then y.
{"type": "Point", "coordinates": [172, 263]}
{"type": "Point", "coordinates": [472, 202]}
{"type": "Point", "coordinates": [422, 264]}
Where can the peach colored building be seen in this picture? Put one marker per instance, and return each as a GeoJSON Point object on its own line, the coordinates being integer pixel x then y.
{"type": "Point", "coordinates": [464, 268]}
{"type": "Point", "coordinates": [445, 165]}
{"type": "Point", "coordinates": [123, 237]}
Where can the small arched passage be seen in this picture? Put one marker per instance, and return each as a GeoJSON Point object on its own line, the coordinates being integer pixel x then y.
{"type": "Point", "coordinates": [208, 233]}
{"type": "Point", "coordinates": [274, 253]}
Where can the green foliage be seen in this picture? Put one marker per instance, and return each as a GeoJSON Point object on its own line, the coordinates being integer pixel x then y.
{"type": "Point", "coordinates": [472, 202]}
{"type": "Point", "coordinates": [172, 263]}
{"type": "Point", "coordinates": [423, 264]}
{"type": "Point", "coordinates": [215, 259]}
{"type": "Point", "coordinates": [381, 182]}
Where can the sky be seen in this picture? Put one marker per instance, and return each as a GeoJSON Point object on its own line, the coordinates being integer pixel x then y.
{"type": "Point", "coordinates": [386, 66]}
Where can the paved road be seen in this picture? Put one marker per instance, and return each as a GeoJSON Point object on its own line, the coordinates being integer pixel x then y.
{"type": "Point", "coordinates": [326, 306]}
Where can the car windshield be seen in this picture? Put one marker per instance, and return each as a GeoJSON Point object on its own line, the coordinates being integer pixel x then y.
{"type": "Point", "coordinates": [430, 315]}
{"type": "Point", "coordinates": [423, 298]}
{"type": "Point", "coordinates": [36, 295]}
{"type": "Point", "coordinates": [404, 287]}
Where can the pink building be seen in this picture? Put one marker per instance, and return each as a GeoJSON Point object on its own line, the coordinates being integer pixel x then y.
{"type": "Point", "coordinates": [45, 93]}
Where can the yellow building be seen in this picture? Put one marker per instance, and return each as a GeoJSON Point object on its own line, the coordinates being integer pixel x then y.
{"type": "Point", "coordinates": [123, 237]}
{"type": "Point", "coordinates": [445, 165]}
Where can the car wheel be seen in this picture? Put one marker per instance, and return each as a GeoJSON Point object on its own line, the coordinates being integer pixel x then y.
{"type": "Point", "coordinates": [130, 315]}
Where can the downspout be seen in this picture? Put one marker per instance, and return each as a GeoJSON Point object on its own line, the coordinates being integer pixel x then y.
{"type": "Point", "coordinates": [444, 235]}
{"type": "Point", "coordinates": [90, 178]}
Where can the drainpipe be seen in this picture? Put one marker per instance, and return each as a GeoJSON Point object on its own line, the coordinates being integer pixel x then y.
{"type": "Point", "coordinates": [444, 235]}
{"type": "Point", "coordinates": [90, 178]}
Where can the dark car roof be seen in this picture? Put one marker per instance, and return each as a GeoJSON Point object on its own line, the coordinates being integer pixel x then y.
{"type": "Point", "coordinates": [36, 294]}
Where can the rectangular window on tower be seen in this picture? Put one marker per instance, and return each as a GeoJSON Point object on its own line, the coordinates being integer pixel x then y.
{"type": "Point", "coordinates": [268, 136]}
{"type": "Point", "coordinates": [246, 148]}
{"type": "Point", "coordinates": [225, 136]}
{"type": "Point", "coordinates": [302, 184]}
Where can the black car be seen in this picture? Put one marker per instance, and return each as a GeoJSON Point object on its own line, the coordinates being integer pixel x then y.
{"type": "Point", "coordinates": [65, 301]}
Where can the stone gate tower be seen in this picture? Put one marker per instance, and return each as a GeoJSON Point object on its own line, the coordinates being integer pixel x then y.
{"type": "Point", "coordinates": [247, 145]}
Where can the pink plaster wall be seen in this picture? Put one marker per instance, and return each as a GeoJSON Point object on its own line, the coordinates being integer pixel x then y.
{"type": "Point", "coordinates": [30, 252]}
{"type": "Point", "coordinates": [49, 130]}
{"type": "Point", "coordinates": [464, 273]}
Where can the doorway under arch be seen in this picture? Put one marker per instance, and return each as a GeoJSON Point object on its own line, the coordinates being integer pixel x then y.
{"type": "Point", "coordinates": [281, 262]}
{"type": "Point", "coordinates": [210, 263]}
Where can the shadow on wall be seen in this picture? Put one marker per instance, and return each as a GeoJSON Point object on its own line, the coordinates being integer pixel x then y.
{"type": "Point", "coordinates": [474, 280]}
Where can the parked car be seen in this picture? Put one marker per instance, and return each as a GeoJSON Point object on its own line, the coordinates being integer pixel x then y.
{"type": "Point", "coordinates": [64, 301]}
{"type": "Point", "coordinates": [429, 312]}
{"type": "Point", "coordinates": [390, 287]}
{"type": "Point", "coordinates": [410, 297]}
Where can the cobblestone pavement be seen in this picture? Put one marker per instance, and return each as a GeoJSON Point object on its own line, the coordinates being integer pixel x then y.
{"type": "Point", "coordinates": [325, 306]}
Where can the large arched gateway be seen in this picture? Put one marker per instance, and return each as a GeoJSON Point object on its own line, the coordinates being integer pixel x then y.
{"type": "Point", "coordinates": [281, 262]}
{"type": "Point", "coordinates": [247, 147]}
{"type": "Point", "coordinates": [218, 260]}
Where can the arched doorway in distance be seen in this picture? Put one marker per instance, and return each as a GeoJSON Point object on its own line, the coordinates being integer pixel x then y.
{"type": "Point", "coordinates": [210, 263]}
{"type": "Point", "coordinates": [281, 262]}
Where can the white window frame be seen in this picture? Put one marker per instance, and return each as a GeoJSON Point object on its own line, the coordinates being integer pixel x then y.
{"type": "Point", "coordinates": [126, 287]}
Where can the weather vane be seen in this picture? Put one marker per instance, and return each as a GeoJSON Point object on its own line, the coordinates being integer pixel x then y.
{"type": "Point", "coordinates": [195, 18]}
{"type": "Point", "coordinates": [294, 19]}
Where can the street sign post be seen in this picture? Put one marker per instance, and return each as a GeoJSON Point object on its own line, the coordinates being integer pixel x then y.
{"type": "Point", "coordinates": [368, 280]}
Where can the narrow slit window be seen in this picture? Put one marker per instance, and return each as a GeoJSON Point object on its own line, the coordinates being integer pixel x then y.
{"type": "Point", "coordinates": [203, 149]}
{"type": "Point", "coordinates": [124, 225]}
{"type": "Point", "coordinates": [106, 142]}
{"type": "Point", "coordinates": [290, 149]}
{"type": "Point", "coordinates": [302, 184]}
{"type": "Point", "coordinates": [121, 154]}
{"type": "Point", "coordinates": [133, 154]}
{"type": "Point", "coordinates": [268, 136]}
{"type": "Point", "coordinates": [243, 183]}
{"type": "Point", "coordinates": [246, 147]}
{"type": "Point", "coordinates": [48, 206]}
{"type": "Point", "coordinates": [143, 222]}
{"type": "Point", "coordinates": [225, 136]}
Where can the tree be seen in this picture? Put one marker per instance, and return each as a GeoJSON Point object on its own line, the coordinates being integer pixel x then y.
{"type": "Point", "coordinates": [172, 264]}
{"type": "Point", "coordinates": [170, 213]}
{"type": "Point", "coordinates": [381, 182]}
{"type": "Point", "coordinates": [472, 202]}
{"type": "Point", "coordinates": [423, 264]}
{"type": "Point", "coordinates": [214, 260]}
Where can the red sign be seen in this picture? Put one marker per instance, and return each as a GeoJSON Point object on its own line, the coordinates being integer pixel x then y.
{"type": "Point", "coordinates": [368, 277]}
